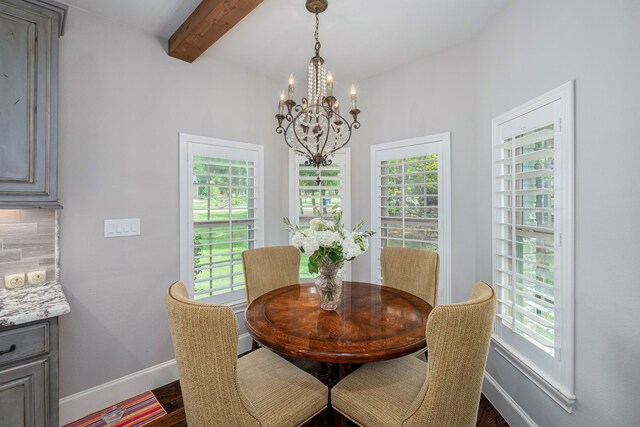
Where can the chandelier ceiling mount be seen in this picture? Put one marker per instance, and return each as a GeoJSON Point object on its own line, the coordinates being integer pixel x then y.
{"type": "Point", "coordinates": [317, 6]}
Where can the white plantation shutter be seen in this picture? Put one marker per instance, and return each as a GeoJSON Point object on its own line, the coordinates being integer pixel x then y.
{"type": "Point", "coordinates": [411, 203]}
{"type": "Point", "coordinates": [305, 194]}
{"type": "Point", "coordinates": [532, 238]}
{"type": "Point", "coordinates": [323, 195]}
{"type": "Point", "coordinates": [222, 206]}
{"type": "Point", "coordinates": [525, 264]}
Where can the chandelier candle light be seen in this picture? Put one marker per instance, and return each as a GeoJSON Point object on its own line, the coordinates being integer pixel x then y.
{"type": "Point", "coordinates": [314, 128]}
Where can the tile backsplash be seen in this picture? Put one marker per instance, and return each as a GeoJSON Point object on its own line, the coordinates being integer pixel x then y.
{"type": "Point", "coordinates": [28, 240]}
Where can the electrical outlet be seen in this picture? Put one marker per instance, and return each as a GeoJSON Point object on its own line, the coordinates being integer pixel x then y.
{"type": "Point", "coordinates": [36, 277]}
{"type": "Point", "coordinates": [12, 281]}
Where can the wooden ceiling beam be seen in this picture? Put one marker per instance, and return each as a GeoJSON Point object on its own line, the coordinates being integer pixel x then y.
{"type": "Point", "coordinates": [206, 24]}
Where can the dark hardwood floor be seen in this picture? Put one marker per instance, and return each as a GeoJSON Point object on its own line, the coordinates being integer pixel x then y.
{"type": "Point", "coordinates": [170, 398]}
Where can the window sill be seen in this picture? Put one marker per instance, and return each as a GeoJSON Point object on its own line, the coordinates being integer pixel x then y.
{"type": "Point", "coordinates": [238, 306]}
{"type": "Point", "coordinates": [562, 398]}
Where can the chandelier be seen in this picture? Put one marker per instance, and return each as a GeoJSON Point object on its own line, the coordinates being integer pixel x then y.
{"type": "Point", "coordinates": [314, 128]}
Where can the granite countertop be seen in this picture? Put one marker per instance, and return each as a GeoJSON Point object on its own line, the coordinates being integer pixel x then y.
{"type": "Point", "coordinates": [31, 303]}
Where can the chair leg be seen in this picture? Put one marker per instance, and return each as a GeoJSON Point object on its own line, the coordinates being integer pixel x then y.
{"type": "Point", "coordinates": [254, 345]}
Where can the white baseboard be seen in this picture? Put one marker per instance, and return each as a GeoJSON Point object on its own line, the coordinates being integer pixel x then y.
{"type": "Point", "coordinates": [508, 408]}
{"type": "Point", "coordinates": [85, 402]}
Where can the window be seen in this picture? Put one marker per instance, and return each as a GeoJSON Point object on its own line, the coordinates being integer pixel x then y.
{"type": "Point", "coordinates": [411, 200]}
{"type": "Point", "coordinates": [533, 239]}
{"type": "Point", "coordinates": [221, 215]}
{"type": "Point", "coordinates": [305, 193]}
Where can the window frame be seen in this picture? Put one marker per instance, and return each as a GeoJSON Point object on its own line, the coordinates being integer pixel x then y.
{"type": "Point", "coordinates": [442, 143]}
{"type": "Point", "coordinates": [559, 385]}
{"type": "Point", "coordinates": [187, 142]}
{"type": "Point", "coordinates": [345, 182]}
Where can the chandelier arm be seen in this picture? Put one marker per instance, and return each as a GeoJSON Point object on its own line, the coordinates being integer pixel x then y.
{"type": "Point", "coordinates": [345, 122]}
{"type": "Point", "coordinates": [311, 162]}
{"type": "Point", "coordinates": [302, 154]}
{"type": "Point", "coordinates": [293, 131]}
{"type": "Point", "coordinates": [286, 140]}
{"type": "Point", "coordinates": [296, 109]}
{"type": "Point", "coordinates": [345, 143]}
{"type": "Point", "coordinates": [309, 154]}
{"type": "Point", "coordinates": [327, 162]}
{"type": "Point", "coordinates": [349, 126]}
{"type": "Point", "coordinates": [341, 117]}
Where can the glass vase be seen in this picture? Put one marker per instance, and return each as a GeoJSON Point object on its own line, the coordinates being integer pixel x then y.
{"type": "Point", "coordinates": [329, 285]}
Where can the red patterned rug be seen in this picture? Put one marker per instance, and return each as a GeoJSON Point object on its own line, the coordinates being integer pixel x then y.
{"type": "Point", "coordinates": [139, 410]}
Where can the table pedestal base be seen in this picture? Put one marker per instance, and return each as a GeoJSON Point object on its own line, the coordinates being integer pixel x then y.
{"type": "Point", "coordinates": [330, 374]}
{"type": "Point", "coordinates": [321, 372]}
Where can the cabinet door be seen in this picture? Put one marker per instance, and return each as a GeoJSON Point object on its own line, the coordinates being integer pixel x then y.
{"type": "Point", "coordinates": [23, 395]}
{"type": "Point", "coordinates": [27, 105]}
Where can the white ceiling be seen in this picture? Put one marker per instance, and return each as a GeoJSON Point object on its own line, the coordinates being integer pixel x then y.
{"type": "Point", "coordinates": [360, 38]}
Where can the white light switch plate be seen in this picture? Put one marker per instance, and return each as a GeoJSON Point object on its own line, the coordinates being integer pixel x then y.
{"type": "Point", "coordinates": [121, 227]}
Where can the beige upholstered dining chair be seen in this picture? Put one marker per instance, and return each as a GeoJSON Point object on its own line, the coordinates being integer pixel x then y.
{"type": "Point", "coordinates": [411, 270]}
{"type": "Point", "coordinates": [445, 391]}
{"type": "Point", "coordinates": [259, 389]}
{"type": "Point", "coordinates": [266, 269]}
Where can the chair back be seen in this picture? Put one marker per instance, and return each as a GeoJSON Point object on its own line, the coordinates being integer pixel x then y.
{"type": "Point", "coordinates": [458, 337]}
{"type": "Point", "coordinates": [205, 340]}
{"type": "Point", "coordinates": [411, 270]}
{"type": "Point", "coordinates": [266, 269]}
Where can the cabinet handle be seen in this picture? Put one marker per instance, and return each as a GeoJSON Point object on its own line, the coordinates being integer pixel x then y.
{"type": "Point", "coordinates": [12, 348]}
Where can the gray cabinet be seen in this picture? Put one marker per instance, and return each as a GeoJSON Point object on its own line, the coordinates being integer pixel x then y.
{"type": "Point", "coordinates": [29, 31]}
{"type": "Point", "coordinates": [22, 395]}
{"type": "Point", "coordinates": [29, 375]}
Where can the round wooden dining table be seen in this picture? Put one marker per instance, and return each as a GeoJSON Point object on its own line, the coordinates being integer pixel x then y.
{"type": "Point", "coordinates": [372, 323]}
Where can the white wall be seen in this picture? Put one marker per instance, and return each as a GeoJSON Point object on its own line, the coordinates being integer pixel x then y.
{"type": "Point", "coordinates": [533, 47]}
{"type": "Point", "coordinates": [123, 102]}
{"type": "Point", "coordinates": [529, 49]}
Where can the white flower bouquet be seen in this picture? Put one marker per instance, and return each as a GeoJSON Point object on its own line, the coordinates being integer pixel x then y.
{"type": "Point", "coordinates": [327, 242]}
